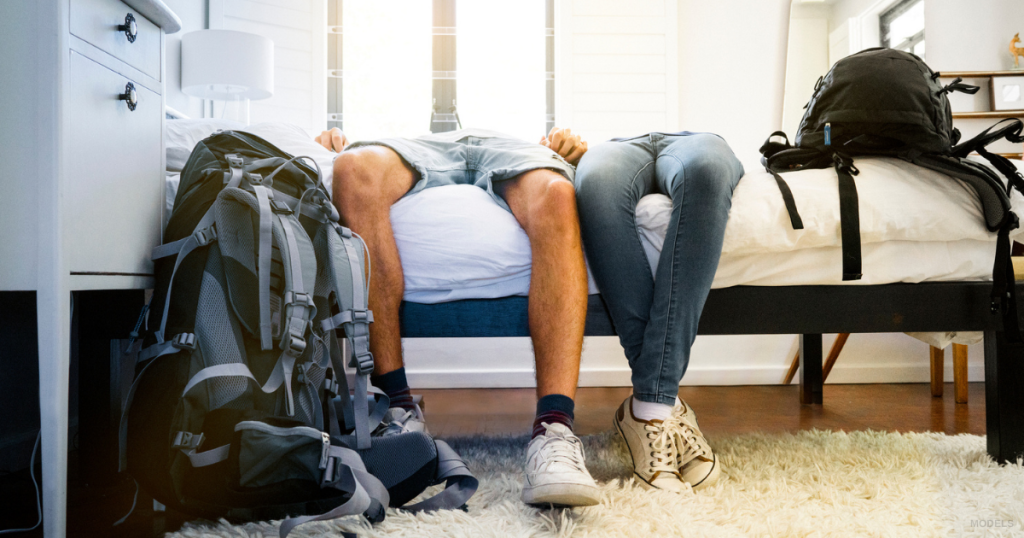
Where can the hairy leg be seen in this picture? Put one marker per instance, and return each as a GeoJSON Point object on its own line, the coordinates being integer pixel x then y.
{"type": "Point", "coordinates": [367, 181]}
{"type": "Point", "coordinates": [544, 203]}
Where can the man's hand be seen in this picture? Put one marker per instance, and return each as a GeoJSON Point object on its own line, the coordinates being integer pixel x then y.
{"type": "Point", "coordinates": [566, 144]}
{"type": "Point", "coordinates": [333, 140]}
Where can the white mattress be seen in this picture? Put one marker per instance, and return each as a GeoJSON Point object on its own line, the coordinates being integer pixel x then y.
{"type": "Point", "coordinates": [916, 226]}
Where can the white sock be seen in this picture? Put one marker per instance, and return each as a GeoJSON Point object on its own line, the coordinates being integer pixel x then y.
{"type": "Point", "coordinates": [651, 411]}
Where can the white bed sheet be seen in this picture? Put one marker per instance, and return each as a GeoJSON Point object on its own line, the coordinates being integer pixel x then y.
{"type": "Point", "coordinates": [916, 225]}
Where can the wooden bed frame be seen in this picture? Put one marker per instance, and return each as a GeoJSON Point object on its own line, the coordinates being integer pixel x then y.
{"type": "Point", "coordinates": [809, 311]}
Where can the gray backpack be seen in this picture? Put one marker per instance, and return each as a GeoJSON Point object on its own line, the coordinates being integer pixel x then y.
{"type": "Point", "coordinates": [241, 407]}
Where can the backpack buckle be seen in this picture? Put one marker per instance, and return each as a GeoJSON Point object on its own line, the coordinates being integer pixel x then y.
{"type": "Point", "coordinates": [187, 441]}
{"type": "Point", "coordinates": [325, 451]}
{"type": "Point", "coordinates": [234, 161]}
{"type": "Point", "coordinates": [362, 316]}
{"type": "Point", "coordinates": [184, 341]}
{"type": "Point", "coordinates": [206, 235]}
{"type": "Point", "coordinates": [362, 359]}
{"type": "Point", "coordinates": [280, 208]}
{"type": "Point", "coordinates": [254, 178]}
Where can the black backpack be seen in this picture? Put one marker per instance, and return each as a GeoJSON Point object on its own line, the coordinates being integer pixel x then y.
{"type": "Point", "coordinates": [885, 102]}
{"type": "Point", "coordinates": [242, 407]}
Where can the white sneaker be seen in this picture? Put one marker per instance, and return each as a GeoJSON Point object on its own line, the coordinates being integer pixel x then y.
{"type": "Point", "coordinates": [671, 454]}
{"type": "Point", "coordinates": [398, 420]}
{"type": "Point", "coordinates": [556, 470]}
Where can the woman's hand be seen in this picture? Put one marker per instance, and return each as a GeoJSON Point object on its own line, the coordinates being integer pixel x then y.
{"type": "Point", "coordinates": [566, 144]}
{"type": "Point", "coordinates": [334, 140]}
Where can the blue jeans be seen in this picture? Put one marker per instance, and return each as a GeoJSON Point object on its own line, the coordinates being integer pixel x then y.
{"type": "Point", "coordinates": [656, 318]}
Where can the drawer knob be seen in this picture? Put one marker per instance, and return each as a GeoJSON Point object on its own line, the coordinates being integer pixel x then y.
{"type": "Point", "coordinates": [130, 96]}
{"type": "Point", "coordinates": [130, 28]}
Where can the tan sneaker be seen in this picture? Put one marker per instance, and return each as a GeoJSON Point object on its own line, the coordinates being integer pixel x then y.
{"type": "Point", "coordinates": [670, 454]}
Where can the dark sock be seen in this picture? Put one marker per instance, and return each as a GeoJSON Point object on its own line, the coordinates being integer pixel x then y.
{"type": "Point", "coordinates": [551, 409]}
{"type": "Point", "coordinates": [396, 387]}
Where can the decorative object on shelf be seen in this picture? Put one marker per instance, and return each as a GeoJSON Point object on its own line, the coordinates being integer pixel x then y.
{"type": "Point", "coordinates": [227, 65]}
{"type": "Point", "coordinates": [1007, 93]}
{"type": "Point", "coordinates": [1016, 52]}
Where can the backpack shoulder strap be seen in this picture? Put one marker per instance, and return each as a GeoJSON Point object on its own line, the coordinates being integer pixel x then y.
{"type": "Point", "coordinates": [1009, 128]}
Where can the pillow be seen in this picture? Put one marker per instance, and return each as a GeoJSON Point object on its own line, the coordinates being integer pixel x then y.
{"type": "Point", "coordinates": [176, 158]}
{"type": "Point", "coordinates": [183, 135]}
{"type": "Point", "coordinates": [187, 133]}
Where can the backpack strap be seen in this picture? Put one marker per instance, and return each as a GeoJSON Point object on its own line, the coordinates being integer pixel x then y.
{"type": "Point", "coordinates": [1004, 288]}
{"type": "Point", "coordinates": [1009, 129]}
{"type": "Point", "coordinates": [264, 251]}
{"type": "Point", "coordinates": [849, 217]}
{"type": "Point", "coordinates": [769, 150]}
{"type": "Point", "coordinates": [460, 484]}
{"type": "Point", "coordinates": [205, 233]}
{"type": "Point", "coordinates": [346, 472]}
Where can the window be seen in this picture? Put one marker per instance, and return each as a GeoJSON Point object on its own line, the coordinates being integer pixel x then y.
{"type": "Point", "coordinates": [902, 27]}
{"type": "Point", "coordinates": [410, 67]}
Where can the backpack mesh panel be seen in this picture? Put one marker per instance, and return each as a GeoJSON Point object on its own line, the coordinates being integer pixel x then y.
{"type": "Point", "coordinates": [219, 336]}
{"type": "Point", "coordinates": [396, 458]}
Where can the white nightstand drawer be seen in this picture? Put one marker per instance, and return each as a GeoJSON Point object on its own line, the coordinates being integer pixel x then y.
{"type": "Point", "coordinates": [114, 185]}
{"type": "Point", "coordinates": [96, 21]}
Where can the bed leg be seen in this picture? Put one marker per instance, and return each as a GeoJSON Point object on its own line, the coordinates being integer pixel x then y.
{"type": "Point", "coordinates": [1004, 399]}
{"type": "Point", "coordinates": [810, 369]}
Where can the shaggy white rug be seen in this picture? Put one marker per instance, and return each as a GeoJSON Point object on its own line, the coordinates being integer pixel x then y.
{"type": "Point", "coordinates": [814, 483]}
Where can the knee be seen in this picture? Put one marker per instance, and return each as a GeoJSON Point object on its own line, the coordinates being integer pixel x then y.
{"type": "Point", "coordinates": [355, 173]}
{"type": "Point", "coordinates": [554, 206]}
{"type": "Point", "coordinates": [712, 169]}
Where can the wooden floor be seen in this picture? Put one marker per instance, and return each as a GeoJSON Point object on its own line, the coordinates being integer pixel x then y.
{"type": "Point", "coordinates": [450, 413]}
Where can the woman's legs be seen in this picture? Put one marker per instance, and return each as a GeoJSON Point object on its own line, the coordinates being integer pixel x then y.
{"type": "Point", "coordinates": [610, 180]}
{"type": "Point", "coordinates": [699, 173]}
{"type": "Point", "coordinates": [656, 318]}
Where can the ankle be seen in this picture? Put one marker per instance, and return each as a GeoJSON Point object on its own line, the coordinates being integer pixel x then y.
{"type": "Point", "coordinates": [396, 386]}
{"type": "Point", "coordinates": [553, 409]}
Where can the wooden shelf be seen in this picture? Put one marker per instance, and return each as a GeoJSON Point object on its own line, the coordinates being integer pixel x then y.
{"type": "Point", "coordinates": [989, 114]}
{"type": "Point", "coordinates": [980, 74]}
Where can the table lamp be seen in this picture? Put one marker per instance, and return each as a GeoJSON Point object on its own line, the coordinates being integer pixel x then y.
{"type": "Point", "coordinates": [227, 65]}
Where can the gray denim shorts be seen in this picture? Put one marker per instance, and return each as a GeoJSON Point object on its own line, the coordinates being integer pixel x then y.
{"type": "Point", "coordinates": [471, 160]}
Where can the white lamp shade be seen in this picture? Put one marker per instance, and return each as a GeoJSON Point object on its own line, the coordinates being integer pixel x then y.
{"type": "Point", "coordinates": [227, 65]}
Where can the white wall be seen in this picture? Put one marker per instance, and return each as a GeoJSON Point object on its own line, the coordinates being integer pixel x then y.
{"type": "Point", "coordinates": [298, 29]}
{"type": "Point", "coordinates": [193, 17]}
{"type": "Point", "coordinates": [616, 67]}
{"type": "Point", "coordinates": [806, 60]}
{"type": "Point", "coordinates": [732, 70]}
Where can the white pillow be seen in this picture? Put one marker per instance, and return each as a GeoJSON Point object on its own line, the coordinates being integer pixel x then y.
{"type": "Point", "coordinates": [188, 133]}
{"type": "Point", "coordinates": [286, 136]}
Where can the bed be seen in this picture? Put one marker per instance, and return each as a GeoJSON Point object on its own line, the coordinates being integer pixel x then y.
{"type": "Point", "coordinates": [927, 266]}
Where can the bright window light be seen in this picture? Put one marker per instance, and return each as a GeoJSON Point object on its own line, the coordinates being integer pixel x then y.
{"type": "Point", "coordinates": [500, 66]}
{"type": "Point", "coordinates": [386, 76]}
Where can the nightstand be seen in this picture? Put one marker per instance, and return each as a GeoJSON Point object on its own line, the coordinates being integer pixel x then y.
{"type": "Point", "coordinates": [81, 172]}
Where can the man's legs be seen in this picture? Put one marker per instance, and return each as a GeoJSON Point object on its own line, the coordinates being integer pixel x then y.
{"type": "Point", "coordinates": [544, 203]}
{"type": "Point", "coordinates": [367, 181]}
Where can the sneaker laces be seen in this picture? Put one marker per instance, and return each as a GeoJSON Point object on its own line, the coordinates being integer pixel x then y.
{"type": "Point", "coordinates": [686, 436]}
{"type": "Point", "coordinates": [677, 442]}
{"type": "Point", "coordinates": [663, 446]}
{"type": "Point", "coordinates": [562, 448]}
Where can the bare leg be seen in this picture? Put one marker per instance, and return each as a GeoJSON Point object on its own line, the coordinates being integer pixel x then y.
{"type": "Point", "coordinates": [367, 181]}
{"type": "Point", "coordinates": [544, 203]}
